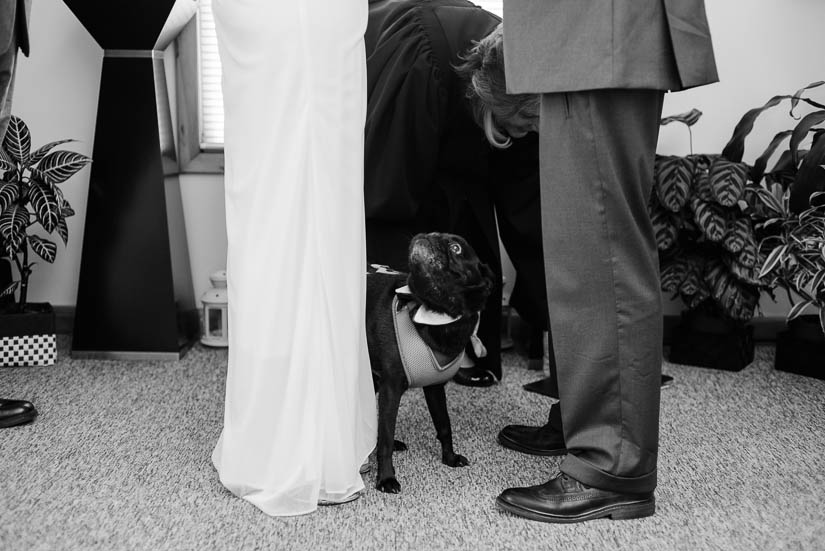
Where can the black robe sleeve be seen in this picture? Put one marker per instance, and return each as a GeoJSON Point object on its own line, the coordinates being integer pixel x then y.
{"type": "Point", "coordinates": [405, 111]}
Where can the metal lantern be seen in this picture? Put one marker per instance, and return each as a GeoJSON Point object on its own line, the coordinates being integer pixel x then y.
{"type": "Point", "coordinates": [215, 316]}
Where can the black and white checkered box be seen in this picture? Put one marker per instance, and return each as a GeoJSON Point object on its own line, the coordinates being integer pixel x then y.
{"type": "Point", "coordinates": [28, 351]}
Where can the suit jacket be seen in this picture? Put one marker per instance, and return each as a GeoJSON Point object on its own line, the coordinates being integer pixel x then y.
{"type": "Point", "coordinates": [14, 13]}
{"type": "Point", "coordinates": [571, 45]}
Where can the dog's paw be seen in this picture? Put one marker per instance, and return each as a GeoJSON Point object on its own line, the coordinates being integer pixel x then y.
{"type": "Point", "coordinates": [389, 486]}
{"type": "Point", "coordinates": [399, 446]}
{"type": "Point", "coordinates": [455, 460]}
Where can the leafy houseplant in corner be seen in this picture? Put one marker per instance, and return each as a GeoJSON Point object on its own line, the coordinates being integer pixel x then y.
{"type": "Point", "coordinates": [790, 216]}
{"type": "Point", "coordinates": [30, 199]}
{"type": "Point", "coordinates": [796, 263]}
{"type": "Point", "coordinates": [708, 254]}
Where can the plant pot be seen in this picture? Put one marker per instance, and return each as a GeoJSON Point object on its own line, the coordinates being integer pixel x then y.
{"type": "Point", "coordinates": [710, 341]}
{"type": "Point", "coordinates": [28, 339]}
{"type": "Point", "coordinates": [801, 348]}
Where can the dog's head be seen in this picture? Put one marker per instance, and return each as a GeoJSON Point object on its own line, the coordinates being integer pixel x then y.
{"type": "Point", "coordinates": [446, 274]}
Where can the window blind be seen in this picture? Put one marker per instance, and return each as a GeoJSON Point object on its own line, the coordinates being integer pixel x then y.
{"type": "Point", "coordinates": [210, 111]}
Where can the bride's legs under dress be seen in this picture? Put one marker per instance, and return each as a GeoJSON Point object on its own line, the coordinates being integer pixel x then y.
{"type": "Point", "coordinates": [300, 412]}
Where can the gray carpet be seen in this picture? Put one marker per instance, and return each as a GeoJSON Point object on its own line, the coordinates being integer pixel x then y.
{"type": "Point", "coordinates": [119, 459]}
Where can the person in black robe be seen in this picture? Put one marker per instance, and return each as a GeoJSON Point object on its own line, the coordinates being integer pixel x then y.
{"type": "Point", "coordinates": [438, 127]}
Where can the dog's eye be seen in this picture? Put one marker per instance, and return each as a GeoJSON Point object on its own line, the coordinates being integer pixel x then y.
{"type": "Point", "coordinates": [455, 248]}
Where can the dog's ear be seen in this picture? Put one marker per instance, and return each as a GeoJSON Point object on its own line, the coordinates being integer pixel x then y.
{"type": "Point", "coordinates": [476, 295]}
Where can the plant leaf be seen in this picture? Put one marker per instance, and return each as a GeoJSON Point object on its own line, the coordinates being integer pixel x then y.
{"type": "Point", "coordinates": [44, 201]}
{"type": "Point", "coordinates": [689, 118]}
{"type": "Point", "coordinates": [767, 199]}
{"type": "Point", "coordinates": [674, 273]}
{"type": "Point", "coordinates": [735, 147]}
{"type": "Point", "coordinates": [18, 141]}
{"type": "Point", "coordinates": [9, 193]}
{"type": "Point", "coordinates": [737, 299]}
{"type": "Point", "coordinates": [738, 234]}
{"type": "Point", "coordinates": [773, 260]}
{"type": "Point", "coordinates": [749, 255]}
{"type": "Point", "coordinates": [664, 227]}
{"type": "Point", "coordinates": [38, 155]}
{"type": "Point", "coordinates": [797, 308]}
{"type": "Point", "coordinates": [13, 224]}
{"type": "Point", "coordinates": [798, 94]}
{"type": "Point", "coordinates": [44, 248]}
{"type": "Point", "coordinates": [59, 166]}
{"type": "Point", "coordinates": [6, 162]}
{"type": "Point", "coordinates": [63, 230]}
{"type": "Point", "coordinates": [9, 289]}
{"type": "Point", "coordinates": [710, 218]}
{"type": "Point", "coordinates": [727, 181]}
{"type": "Point", "coordinates": [758, 170]}
{"type": "Point", "coordinates": [673, 176]}
{"type": "Point", "coordinates": [810, 178]}
{"type": "Point", "coordinates": [801, 130]}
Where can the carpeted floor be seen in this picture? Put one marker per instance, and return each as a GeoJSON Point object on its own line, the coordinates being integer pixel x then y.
{"type": "Point", "coordinates": [119, 459]}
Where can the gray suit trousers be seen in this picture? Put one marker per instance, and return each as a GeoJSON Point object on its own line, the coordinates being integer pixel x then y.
{"type": "Point", "coordinates": [601, 266]}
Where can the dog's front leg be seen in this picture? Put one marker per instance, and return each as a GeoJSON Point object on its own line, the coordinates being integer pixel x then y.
{"type": "Point", "coordinates": [389, 398]}
{"type": "Point", "coordinates": [437, 404]}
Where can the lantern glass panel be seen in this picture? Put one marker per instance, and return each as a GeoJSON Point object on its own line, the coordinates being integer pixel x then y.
{"type": "Point", "coordinates": [214, 323]}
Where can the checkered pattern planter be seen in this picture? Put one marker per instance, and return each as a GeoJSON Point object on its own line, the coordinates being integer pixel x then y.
{"type": "Point", "coordinates": [28, 339]}
{"type": "Point", "coordinates": [28, 351]}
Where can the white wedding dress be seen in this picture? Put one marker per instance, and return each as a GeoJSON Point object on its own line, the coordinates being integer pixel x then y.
{"type": "Point", "coordinates": [300, 415]}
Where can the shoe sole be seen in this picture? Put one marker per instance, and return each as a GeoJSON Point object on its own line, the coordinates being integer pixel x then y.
{"type": "Point", "coordinates": [329, 503]}
{"type": "Point", "coordinates": [18, 420]}
{"type": "Point", "coordinates": [510, 444]}
{"type": "Point", "coordinates": [618, 511]}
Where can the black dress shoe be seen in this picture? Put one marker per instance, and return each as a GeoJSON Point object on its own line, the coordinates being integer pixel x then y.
{"type": "Point", "coordinates": [473, 376]}
{"type": "Point", "coordinates": [16, 412]}
{"type": "Point", "coordinates": [563, 499]}
{"type": "Point", "coordinates": [544, 440]}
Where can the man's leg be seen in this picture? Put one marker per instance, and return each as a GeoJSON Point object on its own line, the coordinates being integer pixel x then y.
{"type": "Point", "coordinates": [603, 284]}
{"type": "Point", "coordinates": [601, 264]}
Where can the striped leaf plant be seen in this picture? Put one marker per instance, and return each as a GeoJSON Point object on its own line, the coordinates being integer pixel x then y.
{"type": "Point", "coordinates": [728, 231]}
{"type": "Point", "coordinates": [31, 200]}
{"type": "Point", "coordinates": [708, 250]}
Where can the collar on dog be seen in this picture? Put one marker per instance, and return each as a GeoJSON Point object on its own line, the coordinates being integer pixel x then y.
{"type": "Point", "coordinates": [425, 315]}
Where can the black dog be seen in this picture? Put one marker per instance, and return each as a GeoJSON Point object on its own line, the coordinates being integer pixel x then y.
{"type": "Point", "coordinates": [439, 303]}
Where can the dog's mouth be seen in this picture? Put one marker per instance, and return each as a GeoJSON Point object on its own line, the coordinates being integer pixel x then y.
{"type": "Point", "coordinates": [422, 251]}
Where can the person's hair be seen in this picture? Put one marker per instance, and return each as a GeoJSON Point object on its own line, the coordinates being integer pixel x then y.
{"type": "Point", "coordinates": [483, 70]}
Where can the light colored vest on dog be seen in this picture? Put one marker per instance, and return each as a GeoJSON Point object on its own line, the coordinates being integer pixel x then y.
{"type": "Point", "coordinates": [420, 364]}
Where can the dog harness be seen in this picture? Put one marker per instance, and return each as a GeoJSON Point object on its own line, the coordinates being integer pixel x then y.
{"type": "Point", "coordinates": [420, 364]}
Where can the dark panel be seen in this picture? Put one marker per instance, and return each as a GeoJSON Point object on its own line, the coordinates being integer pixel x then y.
{"type": "Point", "coordinates": [119, 24]}
{"type": "Point", "coordinates": [126, 299]}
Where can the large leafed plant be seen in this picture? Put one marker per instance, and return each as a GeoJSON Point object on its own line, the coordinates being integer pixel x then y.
{"type": "Point", "coordinates": [727, 231]}
{"type": "Point", "coordinates": [31, 199]}
{"type": "Point", "coordinates": [712, 214]}
{"type": "Point", "coordinates": [708, 251]}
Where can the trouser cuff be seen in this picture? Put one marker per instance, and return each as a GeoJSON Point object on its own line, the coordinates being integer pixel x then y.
{"type": "Point", "coordinates": [589, 475]}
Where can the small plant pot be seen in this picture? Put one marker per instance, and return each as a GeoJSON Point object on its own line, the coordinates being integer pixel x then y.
{"type": "Point", "coordinates": [801, 348]}
{"type": "Point", "coordinates": [704, 340]}
{"type": "Point", "coordinates": [28, 339]}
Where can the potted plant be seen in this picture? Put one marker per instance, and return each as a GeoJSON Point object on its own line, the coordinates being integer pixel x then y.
{"type": "Point", "coordinates": [796, 263]}
{"type": "Point", "coordinates": [708, 254]}
{"type": "Point", "coordinates": [789, 209]}
{"type": "Point", "coordinates": [30, 200]}
{"type": "Point", "coordinates": [717, 223]}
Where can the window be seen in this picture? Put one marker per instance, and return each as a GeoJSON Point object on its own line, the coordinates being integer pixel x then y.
{"type": "Point", "coordinates": [208, 118]}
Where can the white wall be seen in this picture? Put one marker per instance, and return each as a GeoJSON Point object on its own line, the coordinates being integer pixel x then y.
{"type": "Point", "coordinates": [763, 48]}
